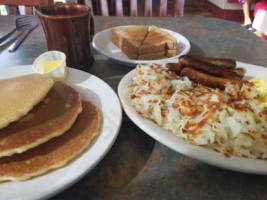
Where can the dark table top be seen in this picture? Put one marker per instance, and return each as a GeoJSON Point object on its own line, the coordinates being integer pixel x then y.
{"type": "Point", "coordinates": [138, 167]}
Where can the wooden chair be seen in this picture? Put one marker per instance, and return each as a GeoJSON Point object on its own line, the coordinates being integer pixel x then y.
{"type": "Point", "coordinates": [12, 5]}
{"type": "Point", "coordinates": [178, 7]}
{"type": "Point", "coordinates": [115, 7]}
{"type": "Point", "coordinates": [99, 7]}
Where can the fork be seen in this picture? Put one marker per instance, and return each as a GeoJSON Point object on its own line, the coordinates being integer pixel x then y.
{"type": "Point", "coordinates": [21, 23]}
{"type": "Point", "coordinates": [24, 32]}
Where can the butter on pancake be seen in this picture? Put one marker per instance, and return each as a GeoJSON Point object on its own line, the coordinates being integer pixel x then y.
{"type": "Point", "coordinates": [56, 152]}
{"type": "Point", "coordinates": [50, 118]}
{"type": "Point", "coordinates": [20, 94]}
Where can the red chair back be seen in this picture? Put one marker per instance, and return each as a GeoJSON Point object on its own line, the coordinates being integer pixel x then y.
{"type": "Point", "coordinates": [116, 7]}
{"type": "Point", "coordinates": [178, 8]}
{"type": "Point", "coordinates": [99, 7]}
{"type": "Point", "coordinates": [12, 5]}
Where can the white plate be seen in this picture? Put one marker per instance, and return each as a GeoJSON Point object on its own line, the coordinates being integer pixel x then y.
{"type": "Point", "coordinates": [105, 99]}
{"type": "Point", "coordinates": [181, 146]}
{"type": "Point", "coordinates": [103, 44]}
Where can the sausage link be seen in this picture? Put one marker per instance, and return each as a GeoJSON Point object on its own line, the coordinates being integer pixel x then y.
{"type": "Point", "coordinates": [221, 62]}
{"type": "Point", "coordinates": [239, 71]}
{"type": "Point", "coordinates": [209, 68]}
{"type": "Point", "coordinates": [175, 67]}
{"type": "Point", "coordinates": [208, 80]}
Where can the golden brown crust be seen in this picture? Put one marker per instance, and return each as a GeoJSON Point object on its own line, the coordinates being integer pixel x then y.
{"type": "Point", "coordinates": [157, 41]}
{"type": "Point", "coordinates": [171, 53]}
{"type": "Point", "coordinates": [137, 42]}
{"type": "Point", "coordinates": [129, 39]}
{"type": "Point", "coordinates": [153, 43]}
{"type": "Point", "coordinates": [171, 41]}
{"type": "Point", "coordinates": [50, 118]}
{"type": "Point", "coordinates": [56, 152]}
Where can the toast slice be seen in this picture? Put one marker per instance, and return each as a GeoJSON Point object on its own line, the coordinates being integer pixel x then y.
{"type": "Point", "coordinates": [129, 38]}
{"type": "Point", "coordinates": [152, 56]}
{"type": "Point", "coordinates": [157, 41]}
{"type": "Point", "coordinates": [171, 53]}
{"type": "Point", "coordinates": [144, 43]}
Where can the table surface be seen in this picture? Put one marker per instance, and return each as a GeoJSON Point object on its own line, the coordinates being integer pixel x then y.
{"type": "Point", "coordinates": [138, 167]}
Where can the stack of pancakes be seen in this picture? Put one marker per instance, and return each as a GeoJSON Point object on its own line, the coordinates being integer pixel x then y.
{"type": "Point", "coordinates": [43, 125]}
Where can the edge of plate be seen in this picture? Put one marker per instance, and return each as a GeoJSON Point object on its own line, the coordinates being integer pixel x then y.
{"type": "Point", "coordinates": [234, 166]}
{"type": "Point", "coordinates": [62, 186]}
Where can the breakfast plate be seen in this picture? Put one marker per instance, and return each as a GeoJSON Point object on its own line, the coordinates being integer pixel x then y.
{"type": "Point", "coordinates": [179, 145]}
{"type": "Point", "coordinates": [105, 99]}
{"type": "Point", "coordinates": [103, 44]}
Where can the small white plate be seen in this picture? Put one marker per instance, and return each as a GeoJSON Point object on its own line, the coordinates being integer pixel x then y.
{"type": "Point", "coordinates": [105, 99]}
{"type": "Point", "coordinates": [103, 44]}
{"type": "Point", "coordinates": [167, 138]}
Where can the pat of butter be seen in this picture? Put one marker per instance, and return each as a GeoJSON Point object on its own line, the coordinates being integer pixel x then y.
{"type": "Point", "coordinates": [50, 65]}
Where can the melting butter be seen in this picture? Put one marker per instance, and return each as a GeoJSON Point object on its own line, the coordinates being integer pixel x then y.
{"type": "Point", "coordinates": [50, 65]}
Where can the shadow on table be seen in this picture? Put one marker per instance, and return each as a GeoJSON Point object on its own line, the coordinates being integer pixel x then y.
{"type": "Point", "coordinates": [196, 50]}
{"type": "Point", "coordinates": [121, 165]}
{"type": "Point", "coordinates": [184, 178]}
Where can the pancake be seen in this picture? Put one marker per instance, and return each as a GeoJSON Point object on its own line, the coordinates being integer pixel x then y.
{"type": "Point", "coordinates": [20, 94]}
{"type": "Point", "coordinates": [50, 118]}
{"type": "Point", "coordinates": [56, 152]}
